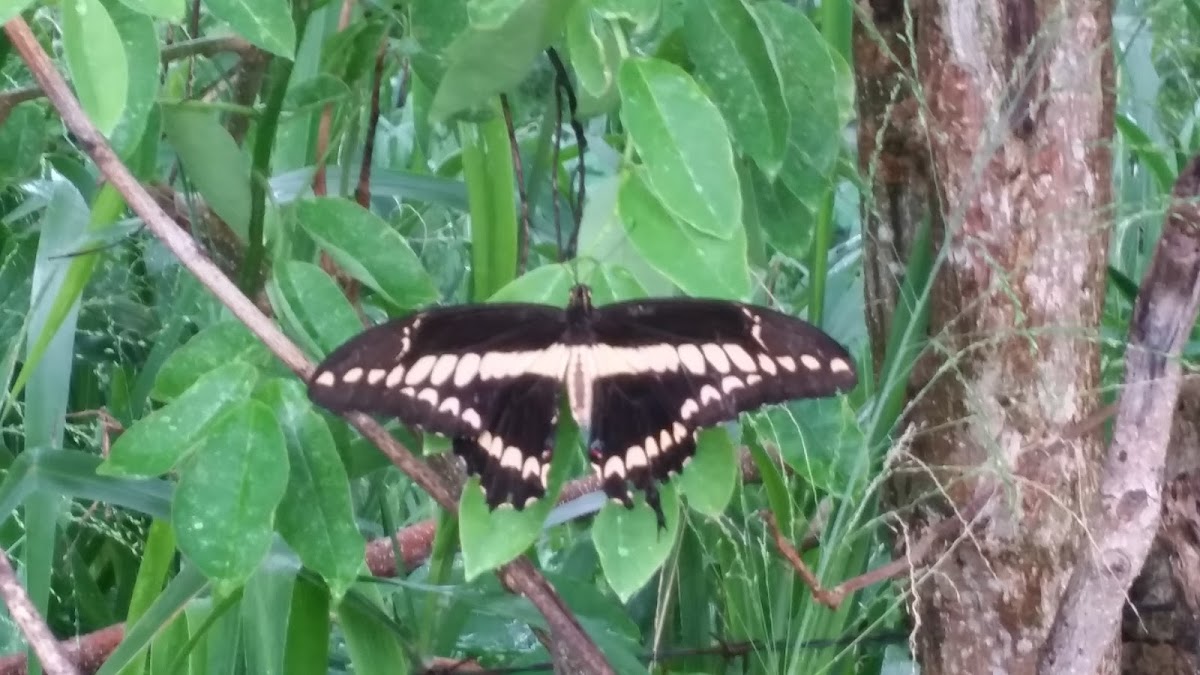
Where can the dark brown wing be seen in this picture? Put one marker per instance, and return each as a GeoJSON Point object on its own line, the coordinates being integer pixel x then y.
{"type": "Point", "coordinates": [487, 376]}
{"type": "Point", "coordinates": [670, 367]}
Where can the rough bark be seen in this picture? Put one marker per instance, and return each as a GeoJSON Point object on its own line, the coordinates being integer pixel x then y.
{"type": "Point", "coordinates": [1161, 626]}
{"type": "Point", "coordinates": [1124, 517]}
{"type": "Point", "coordinates": [1006, 146]}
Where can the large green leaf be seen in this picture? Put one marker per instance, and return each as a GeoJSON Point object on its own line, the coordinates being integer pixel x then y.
{"type": "Point", "coordinates": [225, 504]}
{"type": "Point", "coordinates": [213, 161]}
{"type": "Point", "coordinates": [315, 517]}
{"type": "Point", "coordinates": [211, 348]}
{"type": "Point", "coordinates": [819, 89]}
{"type": "Point", "coordinates": [710, 477]}
{"type": "Point", "coordinates": [603, 237]}
{"type": "Point", "coordinates": [496, 51]}
{"type": "Point", "coordinates": [734, 62]}
{"type": "Point", "coordinates": [266, 23]}
{"type": "Point", "coordinates": [491, 538]}
{"type": "Point", "coordinates": [10, 9]}
{"type": "Point", "coordinates": [311, 307]}
{"type": "Point", "coordinates": [22, 137]}
{"type": "Point", "coordinates": [700, 264]}
{"type": "Point", "coordinates": [158, 441]}
{"type": "Point", "coordinates": [96, 57]}
{"type": "Point", "coordinates": [141, 47]}
{"type": "Point", "coordinates": [171, 10]}
{"type": "Point", "coordinates": [629, 543]}
{"type": "Point", "coordinates": [369, 249]}
{"type": "Point", "coordinates": [595, 53]}
{"type": "Point", "coordinates": [667, 114]}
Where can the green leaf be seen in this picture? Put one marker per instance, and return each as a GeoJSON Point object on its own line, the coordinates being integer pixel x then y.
{"type": "Point", "coordinates": [641, 13]}
{"type": "Point", "coordinates": [489, 174]}
{"type": "Point", "coordinates": [372, 641]}
{"type": "Point", "coordinates": [710, 477]}
{"type": "Point", "coordinates": [307, 648]}
{"type": "Point", "coordinates": [547, 285]}
{"type": "Point", "coordinates": [602, 236]}
{"type": "Point", "coordinates": [820, 439]}
{"type": "Point", "coordinates": [734, 63]}
{"type": "Point", "coordinates": [141, 46]}
{"type": "Point", "coordinates": [320, 90]}
{"type": "Point", "coordinates": [435, 25]}
{"type": "Point", "coordinates": [311, 306]}
{"type": "Point", "coordinates": [171, 10]}
{"type": "Point", "coordinates": [315, 517]}
{"type": "Point", "coordinates": [96, 58]}
{"type": "Point", "coordinates": [551, 284]}
{"type": "Point", "coordinates": [11, 9]}
{"type": "Point", "coordinates": [266, 23]}
{"type": "Point", "coordinates": [213, 161]}
{"type": "Point", "coordinates": [226, 499]}
{"type": "Point", "coordinates": [787, 222]}
{"type": "Point", "coordinates": [368, 249]}
{"type": "Point", "coordinates": [819, 89]}
{"type": "Point", "coordinates": [666, 113]}
{"type": "Point", "coordinates": [158, 441]}
{"type": "Point", "coordinates": [211, 348]}
{"type": "Point", "coordinates": [587, 38]}
{"type": "Point", "coordinates": [22, 137]}
{"type": "Point", "coordinates": [699, 264]}
{"type": "Point", "coordinates": [496, 51]}
{"type": "Point", "coordinates": [492, 538]}
{"type": "Point", "coordinates": [629, 543]}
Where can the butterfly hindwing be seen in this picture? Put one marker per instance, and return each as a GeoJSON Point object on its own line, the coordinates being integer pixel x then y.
{"type": "Point", "coordinates": [512, 456]}
{"type": "Point", "coordinates": [487, 376]}
{"type": "Point", "coordinates": [667, 368]}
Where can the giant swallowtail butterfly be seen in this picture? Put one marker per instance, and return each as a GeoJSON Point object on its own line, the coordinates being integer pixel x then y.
{"type": "Point", "coordinates": [641, 378]}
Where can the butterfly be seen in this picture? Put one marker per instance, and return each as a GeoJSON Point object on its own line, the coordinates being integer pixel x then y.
{"type": "Point", "coordinates": [641, 378]}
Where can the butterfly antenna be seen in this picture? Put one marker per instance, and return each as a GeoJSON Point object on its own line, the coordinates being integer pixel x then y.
{"type": "Point", "coordinates": [563, 86]}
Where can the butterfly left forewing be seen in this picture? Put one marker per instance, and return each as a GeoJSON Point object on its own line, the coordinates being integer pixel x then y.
{"type": "Point", "coordinates": [487, 376]}
{"type": "Point", "coordinates": [438, 369]}
{"type": "Point", "coordinates": [666, 368]}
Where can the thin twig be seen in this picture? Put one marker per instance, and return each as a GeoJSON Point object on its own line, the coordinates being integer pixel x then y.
{"type": "Point", "coordinates": [518, 576]}
{"type": "Point", "coordinates": [555, 199]}
{"type": "Point", "coordinates": [36, 632]}
{"type": "Point", "coordinates": [562, 82]}
{"type": "Point", "coordinates": [362, 191]}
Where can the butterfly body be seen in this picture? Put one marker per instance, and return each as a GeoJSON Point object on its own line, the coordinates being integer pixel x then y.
{"type": "Point", "coordinates": [640, 377]}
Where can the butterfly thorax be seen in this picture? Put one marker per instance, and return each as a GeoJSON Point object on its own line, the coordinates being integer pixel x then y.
{"type": "Point", "coordinates": [581, 367]}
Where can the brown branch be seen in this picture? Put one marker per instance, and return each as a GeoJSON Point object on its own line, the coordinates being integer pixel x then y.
{"type": "Point", "coordinates": [32, 625]}
{"type": "Point", "coordinates": [519, 576]}
{"type": "Point", "coordinates": [201, 47]}
{"type": "Point", "coordinates": [917, 554]}
{"type": "Point", "coordinates": [87, 652]}
{"type": "Point", "coordinates": [1125, 515]}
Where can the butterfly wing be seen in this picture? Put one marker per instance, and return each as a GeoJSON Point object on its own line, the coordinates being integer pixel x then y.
{"type": "Point", "coordinates": [667, 368]}
{"type": "Point", "coordinates": [486, 376]}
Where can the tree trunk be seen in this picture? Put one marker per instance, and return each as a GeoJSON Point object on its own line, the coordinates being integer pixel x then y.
{"type": "Point", "coordinates": [999, 134]}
